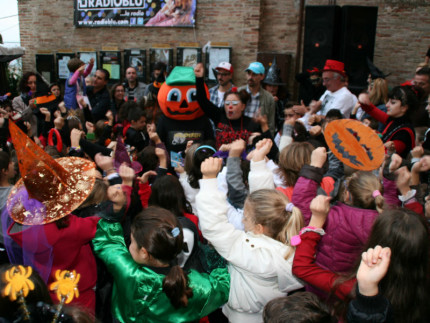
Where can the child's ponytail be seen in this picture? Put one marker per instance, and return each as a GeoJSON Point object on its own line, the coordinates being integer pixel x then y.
{"type": "Point", "coordinates": [291, 228]}
{"type": "Point", "coordinates": [379, 201]}
{"type": "Point", "coordinates": [175, 285]}
{"type": "Point", "coordinates": [160, 233]}
{"type": "Point", "coordinates": [273, 210]}
{"type": "Point", "coordinates": [366, 191]}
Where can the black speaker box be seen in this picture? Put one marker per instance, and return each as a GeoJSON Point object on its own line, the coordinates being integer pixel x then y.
{"type": "Point", "coordinates": [321, 39]}
{"type": "Point", "coordinates": [357, 41]}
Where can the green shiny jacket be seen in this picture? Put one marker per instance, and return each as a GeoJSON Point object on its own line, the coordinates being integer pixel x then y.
{"type": "Point", "coordinates": [137, 291]}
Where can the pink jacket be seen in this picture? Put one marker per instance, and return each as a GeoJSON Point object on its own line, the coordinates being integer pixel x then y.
{"type": "Point", "coordinates": [347, 228]}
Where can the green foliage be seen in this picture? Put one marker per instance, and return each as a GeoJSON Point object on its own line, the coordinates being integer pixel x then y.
{"type": "Point", "coordinates": [13, 75]}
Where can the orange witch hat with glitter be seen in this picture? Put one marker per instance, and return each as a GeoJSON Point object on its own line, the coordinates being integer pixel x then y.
{"type": "Point", "coordinates": [49, 189]}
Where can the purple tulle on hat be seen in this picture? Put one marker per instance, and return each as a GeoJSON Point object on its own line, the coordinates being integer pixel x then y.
{"type": "Point", "coordinates": [35, 251]}
{"type": "Point", "coordinates": [35, 209]}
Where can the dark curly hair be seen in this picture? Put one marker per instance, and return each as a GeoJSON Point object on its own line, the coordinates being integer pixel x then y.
{"type": "Point", "coordinates": [22, 86]}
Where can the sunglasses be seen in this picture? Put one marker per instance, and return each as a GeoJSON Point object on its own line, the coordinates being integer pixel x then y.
{"type": "Point", "coordinates": [231, 102]}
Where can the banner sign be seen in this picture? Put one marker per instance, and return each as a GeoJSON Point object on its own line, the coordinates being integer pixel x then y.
{"type": "Point", "coordinates": [134, 13]}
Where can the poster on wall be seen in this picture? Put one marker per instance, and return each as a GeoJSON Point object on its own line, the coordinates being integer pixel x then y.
{"type": "Point", "coordinates": [86, 56]}
{"type": "Point", "coordinates": [111, 61]}
{"type": "Point", "coordinates": [164, 55]}
{"type": "Point", "coordinates": [187, 56]}
{"type": "Point", "coordinates": [136, 58]}
{"type": "Point", "coordinates": [214, 56]}
{"type": "Point", "coordinates": [134, 13]}
{"type": "Point", "coordinates": [62, 60]}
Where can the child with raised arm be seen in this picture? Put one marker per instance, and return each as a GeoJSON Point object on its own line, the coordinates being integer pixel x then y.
{"type": "Point", "coordinates": [349, 221]}
{"type": "Point", "coordinates": [259, 260]}
{"type": "Point", "coordinates": [396, 249]}
{"type": "Point", "coordinates": [149, 285]}
{"type": "Point", "coordinates": [75, 83]}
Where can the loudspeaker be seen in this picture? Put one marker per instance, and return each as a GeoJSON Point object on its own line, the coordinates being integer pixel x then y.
{"type": "Point", "coordinates": [321, 39]}
{"type": "Point", "coordinates": [357, 42]}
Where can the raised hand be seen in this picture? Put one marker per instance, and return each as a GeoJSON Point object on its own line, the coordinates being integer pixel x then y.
{"type": "Point", "coordinates": [318, 157]}
{"type": "Point", "coordinates": [395, 162]}
{"type": "Point", "coordinates": [199, 70]}
{"type": "Point", "coordinates": [161, 154]}
{"type": "Point", "coordinates": [127, 174]}
{"type": "Point", "coordinates": [300, 109]}
{"type": "Point", "coordinates": [403, 180]}
{"type": "Point", "coordinates": [145, 176]}
{"type": "Point", "coordinates": [320, 207]}
{"type": "Point", "coordinates": [104, 162]}
{"type": "Point", "coordinates": [236, 148]}
{"type": "Point", "coordinates": [75, 137]}
{"type": "Point", "coordinates": [211, 167]}
{"type": "Point", "coordinates": [262, 148]}
{"type": "Point", "coordinates": [373, 267]}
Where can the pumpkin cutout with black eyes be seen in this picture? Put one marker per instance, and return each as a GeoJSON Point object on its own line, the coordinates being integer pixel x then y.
{"type": "Point", "coordinates": [177, 96]}
{"type": "Point", "coordinates": [355, 144]}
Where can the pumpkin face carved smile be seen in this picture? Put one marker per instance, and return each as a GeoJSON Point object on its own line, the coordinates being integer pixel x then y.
{"type": "Point", "coordinates": [354, 144]}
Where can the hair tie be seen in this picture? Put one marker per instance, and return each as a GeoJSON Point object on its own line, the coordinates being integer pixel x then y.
{"type": "Point", "coordinates": [376, 193]}
{"type": "Point", "coordinates": [295, 240]}
{"type": "Point", "coordinates": [175, 232]}
{"type": "Point", "coordinates": [205, 146]}
{"type": "Point", "coordinates": [289, 207]}
{"type": "Point", "coordinates": [233, 89]}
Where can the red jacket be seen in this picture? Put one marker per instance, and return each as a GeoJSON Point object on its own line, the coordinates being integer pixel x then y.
{"type": "Point", "coordinates": [70, 249]}
{"type": "Point", "coordinates": [305, 268]}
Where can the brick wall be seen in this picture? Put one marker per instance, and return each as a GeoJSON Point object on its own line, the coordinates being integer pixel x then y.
{"type": "Point", "coordinates": [48, 25]}
{"type": "Point", "coordinates": [403, 31]}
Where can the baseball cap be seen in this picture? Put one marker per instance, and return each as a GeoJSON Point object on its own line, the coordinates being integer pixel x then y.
{"type": "Point", "coordinates": [225, 66]}
{"type": "Point", "coordinates": [256, 67]}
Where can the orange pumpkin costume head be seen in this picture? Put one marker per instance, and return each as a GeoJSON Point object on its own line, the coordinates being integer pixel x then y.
{"type": "Point", "coordinates": [177, 96]}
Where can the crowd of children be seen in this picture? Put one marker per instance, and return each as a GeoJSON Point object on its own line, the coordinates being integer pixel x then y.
{"type": "Point", "coordinates": [112, 222]}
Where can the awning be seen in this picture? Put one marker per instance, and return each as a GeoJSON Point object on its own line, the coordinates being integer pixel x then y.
{"type": "Point", "coordinates": [8, 54]}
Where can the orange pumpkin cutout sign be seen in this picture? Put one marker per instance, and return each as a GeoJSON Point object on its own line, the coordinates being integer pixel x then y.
{"type": "Point", "coordinates": [354, 144]}
{"type": "Point", "coordinates": [177, 96]}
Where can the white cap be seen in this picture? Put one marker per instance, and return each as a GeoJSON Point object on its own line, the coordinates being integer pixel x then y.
{"type": "Point", "coordinates": [225, 66]}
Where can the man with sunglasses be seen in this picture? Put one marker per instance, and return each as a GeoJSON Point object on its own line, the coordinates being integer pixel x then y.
{"type": "Point", "coordinates": [224, 75]}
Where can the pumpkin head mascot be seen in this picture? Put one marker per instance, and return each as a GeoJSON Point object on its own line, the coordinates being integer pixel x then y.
{"type": "Point", "coordinates": [182, 119]}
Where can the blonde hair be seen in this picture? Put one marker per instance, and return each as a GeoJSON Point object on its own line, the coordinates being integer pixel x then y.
{"type": "Point", "coordinates": [361, 186]}
{"type": "Point", "coordinates": [188, 160]}
{"type": "Point", "coordinates": [268, 209]}
{"type": "Point", "coordinates": [97, 195]}
{"type": "Point", "coordinates": [421, 65]}
{"type": "Point", "coordinates": [379, 92]}
{"type": "Point", "coordinates": [291, 160]}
